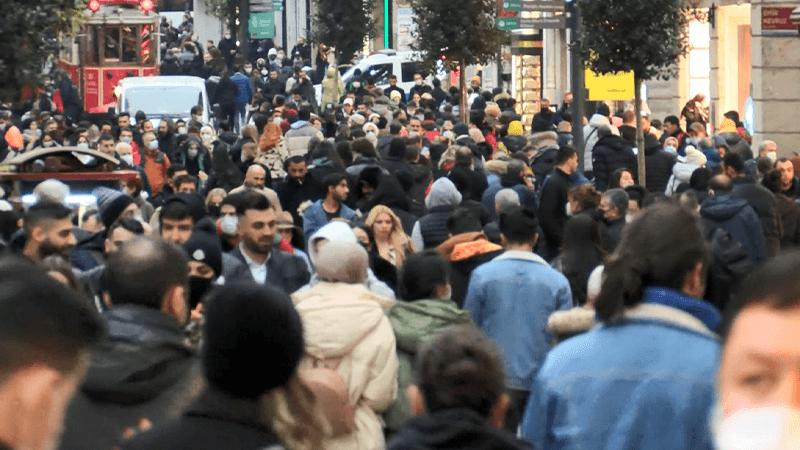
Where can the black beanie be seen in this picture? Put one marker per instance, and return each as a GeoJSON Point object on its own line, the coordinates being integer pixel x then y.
{"type": "Point", "coordinates": [194, 204]}
{"type": "Point", "coordinates": [203, 246]}
{"type": "Point", "coordinates": [249, 327]}
{"type": "Point", "coordinates": [110, 204]}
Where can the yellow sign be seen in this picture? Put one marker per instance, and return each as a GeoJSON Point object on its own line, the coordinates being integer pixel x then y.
{"type": "Point", "coordinates": [609, 87]}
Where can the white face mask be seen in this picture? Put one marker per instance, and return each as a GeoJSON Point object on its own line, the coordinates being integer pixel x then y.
{"type": "Point", "coordinates": [629, 217]}
{"type": "Point", "coordinates": [83, 145]}
{"type": "Point", "coordinates": [264, 72]}
{"type": "Point", "coordinates": [48, 143]}
{"type": "Point", "coordinates": [205, 136]}
{"type": "Point", "coordinates": [356, 84]}
{"type": "Point", "coordinates": [671, 149]}
{"type": "Point", "coordinates": [125, 139]}
{"type": "Point", "coordinates": [192, 153]}
{"type": "Point", "coordinates": [128, 159]}
{"type": "Point", "coordinates": [183, 130]}
{"type": "Point", "coordinates": [229, 225]}
{"type": "Point", "coordinates": [773, 156]}
{"type": "Point", "coordinates": [153, 145]}
{"type": "Point", "coordinates": [419, 82]}
{"type": "Point", "coordinates": [281, 56]}
{"type": "Point", "coordinates": [248, 70]}
{"type": "Point", "coordinates": [773, 428]}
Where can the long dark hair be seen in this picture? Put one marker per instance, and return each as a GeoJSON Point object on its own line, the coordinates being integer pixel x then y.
{"type": "Point", "coordinates": [581, 253]}
{"type": "Point", "coordinates": [658, 249]}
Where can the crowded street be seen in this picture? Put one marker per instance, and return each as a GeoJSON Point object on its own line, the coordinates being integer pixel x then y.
{"type": "Point", "coordinates": [224, 225]}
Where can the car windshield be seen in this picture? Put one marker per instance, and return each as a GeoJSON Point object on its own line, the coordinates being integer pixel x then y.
{"type": "Point", "coordinates": [163, 100]}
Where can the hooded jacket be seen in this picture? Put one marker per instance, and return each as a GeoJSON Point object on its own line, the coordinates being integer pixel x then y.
{"type": "Point", "coordinates": [347, 323]}
{"type": "Point", "coordinates": [453, 428]}
{"type": "Point", "coordinates": [609, 154]}
{"type": "Point", "coordinates": [763, 203]}
{"type": "Point", "coordinates": [332, 87]}
{"type": "Point", "coordinates": [414, 324]}
{"type": "Point", "coordinates": [142, 369]}
{"type": "Point", "coordinates": [681, 173]}
{"type": "Point", "coordinates": [737, 218]}
{"type": "Point", "coordinates": [465, 252]}
{"type": "Point", "coordinates": [431, 229]}
{"type": "Point", "coordinates": [591, 137]}
{"type": "Point", "coordinates": [658, 163]}
{"type": "Point", "coordinates": [296, 139]}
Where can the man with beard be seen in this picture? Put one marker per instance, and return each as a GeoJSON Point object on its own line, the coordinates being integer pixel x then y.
{"type": "Point", "coordinates": [543, 120]}
{"type": "Point", "coordinates": [255, 180]}
{"type": "Point", "coordinates": [299, 187]}
{"type": "Point", "coordinates": [257, 258]}
{"type": "Point", "coordinates": [331, 207]}
{"type": "Point", "coordinates": [48, 231]}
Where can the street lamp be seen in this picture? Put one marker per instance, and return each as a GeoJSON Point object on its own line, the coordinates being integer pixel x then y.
{"type": "Point", "coordinates": [694, 12]}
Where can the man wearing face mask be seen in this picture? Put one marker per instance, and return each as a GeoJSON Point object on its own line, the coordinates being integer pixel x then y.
{"type": "Point", "coordinates": [142, 370]}
{"type": "Point", "coordinates": [227, 45]}
{"type": "Point", "coordinates": [155, 163]}
{"type": "Point", "coordinates": [228, 223]}
{"type": "Point", "coordinates": [272, 85]}
{"type": "Point", "coordinates": [419, 86]}
{"type": "Point", "coordinates": [757, 403]}
{"type": "Point", "coordinates": [167, 137]}
{"type": "Point", "coordinates": [767, 149]}
{"type": "Point", "coordinates": [126, 137]}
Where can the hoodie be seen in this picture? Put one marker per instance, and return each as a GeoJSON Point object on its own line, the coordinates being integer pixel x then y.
{"type": "Point", "coordinates": [737, 218]}
{"type": "Point", "coordinates": [453, 428]}
{"type": "Point", "coordinates": [341, 232]}
{"type": "Point", "coordinates": [681, 173]}
{"type": "Point", "coordinates": [431, 229]}
{"type": "Point", "coordinates": [346, 325]}
{"type": "Point", "coordinates": [142, 369]}
{"type": "Point", "coordinates": [416, 323]}
{"type": "Point", "coordinates": [591, 137]}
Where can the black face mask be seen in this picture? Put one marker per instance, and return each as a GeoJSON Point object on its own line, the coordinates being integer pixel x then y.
{"type": "Point", "coordinates": [546, 111]}
{"type": "Point", "coordinates": [214, 210]}
{"type": "Point", "coordinates": [198, 288]}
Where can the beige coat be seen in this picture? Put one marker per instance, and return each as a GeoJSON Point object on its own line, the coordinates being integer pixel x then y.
{"type": "Point", "coordinates": [271, 195]}
{"type": "Point", "coordinates": [348, 321]}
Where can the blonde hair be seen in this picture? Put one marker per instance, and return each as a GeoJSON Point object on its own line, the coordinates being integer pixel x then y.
{"type": "Point", "coordinates": [292, 413]}
{"type": "Point", "coordinates": [214, 192]}
{"type": "Point", "coordinates": [398, 237]}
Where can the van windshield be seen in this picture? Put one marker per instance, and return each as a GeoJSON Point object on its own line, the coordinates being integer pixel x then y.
{"type": "Point", "coordinates": [163, 100]}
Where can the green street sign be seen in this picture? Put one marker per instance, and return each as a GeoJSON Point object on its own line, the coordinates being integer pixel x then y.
{"type": "Point", "coordinates": [508, 23]}
{"type": "Point", "coordinates": [511, 5]}
{"type": "Point", "coordinates": [277, 5]}
{"type": "Point", "coordinates": [261, 25]}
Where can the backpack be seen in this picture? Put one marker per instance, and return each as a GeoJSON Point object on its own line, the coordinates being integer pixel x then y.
{"type": "Point", "coordinates": [730, 264]}
{"type": "Point", "coordinates": [330, 395]}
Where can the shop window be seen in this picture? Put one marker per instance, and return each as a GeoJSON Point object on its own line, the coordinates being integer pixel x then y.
{"type": "Point", "coordinates": [699, 60]}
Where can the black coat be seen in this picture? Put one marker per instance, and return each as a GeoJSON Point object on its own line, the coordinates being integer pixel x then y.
{"type": "Point", "coordinates": [476, 181]}
{"type": "Point", "coordinates": [614, 235]}
{"type": "Point", "coordinates": [763, 203]}
{"type": "Point", "coordinates": [433, 226]}
{"type": "Point", "coordinates": [609, 154]}
{"type": "Point", "coordinates": [553, 210]}
{"type": "Point", "coordinates": [142, 369]}
{"type": "Point", "coordinates": [292, 194]}
{"type": "Point", "coordinates": [658, 163]}
{"type": "Point", "coordinates": [226, 92]}
{"type": "Point", "coordinates": [461, 271]}
{"type": "Point", "coordinates": [215, 421]}
{"type": "Point", "coordinates": [284, 271]}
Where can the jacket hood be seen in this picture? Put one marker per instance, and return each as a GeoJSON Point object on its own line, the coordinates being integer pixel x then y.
{"type": "Point", "coordinates": [299, 124]}
{"type": "Point", "coordinates": [466, 245]}
{"type": "Point", "coordinates": [141, 357]}
{"type": "Point", "coordinates": [337, 316]}
{"type": "Point", "coordinates": [443, 193]}
{"type": "Point", "coordinates": [598, 120]}
{"type": "Point", "coordinates": [615, 143]}
{"type": "Point", "coordinates": [651, 145]}
{"type": "Point", "coordinates": [720, 208]}
{"type": "Point", "coordinates": [331, 72]}
{"type": "Point", "coordinates": [416, 322]}
{"type": "Point", "coordinates": [451, 428]}
{"type": "Point", "coordinates": [684, 171]}
{"type": "Point", "coordinates": [334, 231]}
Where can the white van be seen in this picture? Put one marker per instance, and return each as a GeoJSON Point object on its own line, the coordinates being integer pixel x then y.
{"type": "Point", "coordinates": [164, 96]}
{"type": "Point", "coordinates": [382, 64]}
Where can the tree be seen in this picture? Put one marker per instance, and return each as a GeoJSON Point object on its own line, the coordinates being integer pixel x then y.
{"type": "Point", "coordinates": [28, 33]}
{"type": "Point", "coordinates": [645, 37]}
{"type": "Point", "coordinates": [343, 25]}
{"type": "Point", "coordinates": [225, 10]}
{"type": "Point", "coordinates": [459, 33]}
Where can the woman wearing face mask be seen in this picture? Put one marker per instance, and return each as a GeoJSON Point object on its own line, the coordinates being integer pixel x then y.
{"type": "Point", "coordinates": [82, 143]}
{"type": "Point", "coordinates": [205, 266]}
{"type": "Point", "coordinates": [48, 140]}
{"type": "Point", "coordinates": [195, 157]}
{"type": "Point", "coordinates": [207, 136]}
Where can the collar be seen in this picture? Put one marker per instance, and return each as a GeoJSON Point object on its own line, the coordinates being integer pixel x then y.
{"type": "Point", "coordinates": [670, 306]}
{"type": "Point", "coordinates": [249, 261]}
{"type": "Point", "coordinates": [525, 256]}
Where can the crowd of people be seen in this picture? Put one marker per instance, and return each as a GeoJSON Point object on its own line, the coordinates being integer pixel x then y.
{"type": "Point", "coordinates": [379, 274]}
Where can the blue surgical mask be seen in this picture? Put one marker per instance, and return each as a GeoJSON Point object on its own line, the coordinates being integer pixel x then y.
{"type": "Point", "coordinates": [83, 145]}
{"type": "Point", "coordinates": [153, 145]}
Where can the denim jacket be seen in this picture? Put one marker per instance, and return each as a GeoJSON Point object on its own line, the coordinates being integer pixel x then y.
{"type": "Point", "coordinates": [645, 382]}
{"type": "Point", "coordinates": [510, 298]}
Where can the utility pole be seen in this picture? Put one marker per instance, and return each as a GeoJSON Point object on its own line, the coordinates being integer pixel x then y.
{"type": "Point", "coordinates": [578, 88]}
{"type": "Point", "coordinates": [244, 29]}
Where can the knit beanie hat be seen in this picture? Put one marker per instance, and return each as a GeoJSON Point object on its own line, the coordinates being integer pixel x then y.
{"type": "Point", "coordinates": [244, 321]}
{"type": "Point", "coordinates": [727, 126]}
{"type": "Point", "coordinates": [203, 246]}
{"type": "Point", "coordinates": [345, 262]}
{"type": "Point", "coordinates": [193, 201]}
{"type": "Point", "coordinates": [110, 204]}
{"type": "Point", "coordinates": [695, 157]}
{"type": "Point", "coordinates": [515, 128]}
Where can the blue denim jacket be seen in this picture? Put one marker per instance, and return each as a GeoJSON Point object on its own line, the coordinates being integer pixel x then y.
{"type": "Point", "coordinates": [644, 383]}
{"type": "Point", "coordinates": [510, 298]}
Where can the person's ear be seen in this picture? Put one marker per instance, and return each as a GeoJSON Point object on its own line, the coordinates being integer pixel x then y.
{"type": "Point", "coordinates": [38, 235]}
{"type": "Point", "coordinates": [175, 304]}
{"type": "Point", "coordinates": [497, 416]}
{"type": "Point", "coordinates": [107, 246]}
{"type": "Point", "coordinates": [695, 282]}
{"type": "Point", "coordinates": [535, 239]}
{"type": "Point", "coordinates": [416, 401]}
{"type": "Point", "coordinates": [107, 300]}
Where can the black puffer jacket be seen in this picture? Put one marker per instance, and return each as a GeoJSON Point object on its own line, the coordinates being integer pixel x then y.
{"type": "Point", "coordinates": [658, 164]}
{"type": "Point", "coordinates": [609, 154]}
{"type": "Point", "coordinates": [763, 203]}
{"type": "Point", "coordinates": [142, 369]}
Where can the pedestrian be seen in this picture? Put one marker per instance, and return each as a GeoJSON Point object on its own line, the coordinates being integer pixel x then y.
{"type": "Point", "coordinates": [581, 253]}
{"type": "Point", "coordinates": [652, 319]}
{"type": "Point", "coordinates": [555, 198]}
{"type": "Point", "coordinates": [431, 229]}
{"type": "Point", "coordinates": [614, 206]}
{"type": "Point", "coordinates": [330, 207]}
{"type": "Point", "coordinates": [346, 330]}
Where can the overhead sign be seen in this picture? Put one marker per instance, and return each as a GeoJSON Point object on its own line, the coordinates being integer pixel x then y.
{"type": "Point", "coordinates": [544, 22]}
{"type": "Point", "coordinates": [277, 5]}
{"type": "Point", "coordinates": [261, 25]}
{"type": "Point", "coordinates": [259, 6]}
{"type": "Point", "coordinates": [543, 5]}
{"type": "Point", "coordinates": [777, 18]}
{"type": "Point", "coordinates": [618, 87]}
{"type": "Point", "coordinates": [508, 23]}
{"type": "Point", "coordinates": [511, 5]}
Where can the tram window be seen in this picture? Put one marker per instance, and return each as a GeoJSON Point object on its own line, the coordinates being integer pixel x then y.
{"type": "Point", "coordinates": [111, 47]}
{"type": "Point", "coordinates": [128, 44]}
{"type": "Point", "coordinates": [90, 45]}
